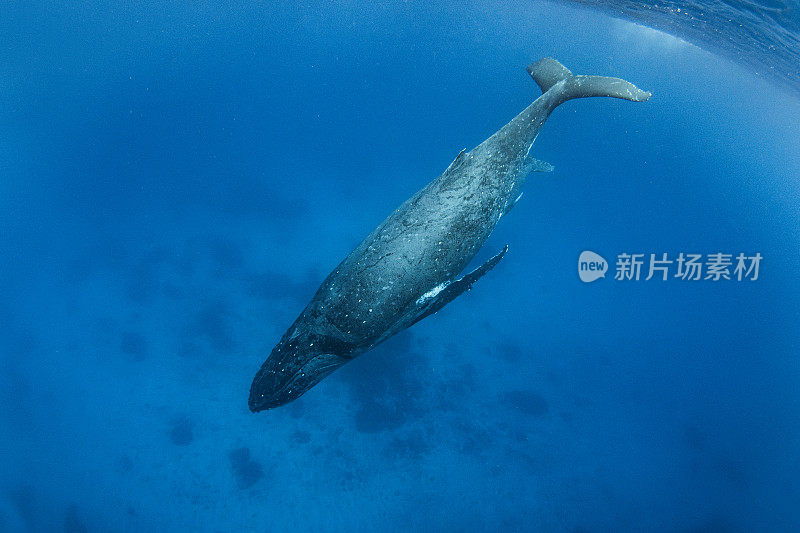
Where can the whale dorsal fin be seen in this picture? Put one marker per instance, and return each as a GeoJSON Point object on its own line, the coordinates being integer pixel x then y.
{"type": "Point", "coordinates": [457, 161]}
{"type": "Point", "coordinates": [530, 165]}
{"type": "Point", "coordinates": [442, 297]}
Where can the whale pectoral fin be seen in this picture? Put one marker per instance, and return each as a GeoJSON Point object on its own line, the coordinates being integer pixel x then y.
{"type": "Point", "coordinates": [451, 291]}
{"type": "Point", "coordinates": [535, 165]}
{"type": "Point", "coordinates": [510, 204]}
{"type": "Point", "coordinates": [473, 276]}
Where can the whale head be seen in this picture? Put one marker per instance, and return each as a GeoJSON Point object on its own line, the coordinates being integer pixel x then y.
{"type": "Point", "coordinates": [295, 365]}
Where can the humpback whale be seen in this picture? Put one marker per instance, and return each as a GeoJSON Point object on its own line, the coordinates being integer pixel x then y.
{"type": "Point", "coordinates": [408, 267]}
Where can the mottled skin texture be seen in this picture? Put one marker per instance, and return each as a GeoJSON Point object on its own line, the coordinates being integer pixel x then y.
{"type": "Point", "coordinates": [384, 285]}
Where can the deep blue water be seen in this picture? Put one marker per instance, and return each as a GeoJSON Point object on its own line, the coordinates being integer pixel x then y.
{"type": "Point", "coordinates": [176, 181]}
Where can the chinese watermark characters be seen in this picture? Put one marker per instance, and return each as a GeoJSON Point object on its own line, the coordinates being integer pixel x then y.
{"type": "Point", "coordinates": [716, 266]}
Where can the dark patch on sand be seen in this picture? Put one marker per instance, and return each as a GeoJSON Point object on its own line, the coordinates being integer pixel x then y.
{"type": "Point", "coordinates": [144, 278]}
{"type": "Point", "coordinates": [189, 350]}
{"type": "Point", "coordinates": [246, 471]}
{"type": "Point", "coordinates": [526, 402]}
{"type": "Point", "coordinates": [297, 409]}
{"type": "Point", "coordinates": [181, 432]}
{"type": "Point", "coordinates": [23, 499]}
{"type": "Point", "coordinates": [412, 447]}
{"type": "Point", "coordinates": [125, 464]}
{"type": "Point", "coordinates": [301, 437]}
{"type": "Point", "coordinates": [134, 345]}
{"type": "Point", "coordinates": [211, 322]}
{"type": "Point", "coordinates": [385, 385]}
{"type": "Point", "coordinates": [226, 255]}
{"type": "Point", "coordinates": [509, 352]}
{"type": "Point", "coordinates": [695, 438]}
{"type": "Point", "coordinates": [73, 522]}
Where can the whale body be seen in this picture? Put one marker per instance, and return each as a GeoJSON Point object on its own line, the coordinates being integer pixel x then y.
{"type": "Point", "coordinates": [408, 267]}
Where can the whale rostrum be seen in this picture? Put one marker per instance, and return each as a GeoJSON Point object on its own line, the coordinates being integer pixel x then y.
{"type": "Point", "coordinates": [408, 267]}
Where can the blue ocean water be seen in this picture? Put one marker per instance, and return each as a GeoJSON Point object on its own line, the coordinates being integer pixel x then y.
{"type": "Point", "coordinates": [178, 178]}
{"type": "Point", "coordinates": [762, 34]}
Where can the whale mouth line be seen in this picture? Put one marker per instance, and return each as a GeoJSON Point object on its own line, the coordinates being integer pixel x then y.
{"type": "Point", "coordinates": [301, 372]}
{"type": "Point", "coordinates": [285, 392]}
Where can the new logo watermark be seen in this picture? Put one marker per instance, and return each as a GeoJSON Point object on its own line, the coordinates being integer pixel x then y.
{"type": "Point", "coordinates": [591, 266]}
{"type": "Point", "coordinates": [716, 266]}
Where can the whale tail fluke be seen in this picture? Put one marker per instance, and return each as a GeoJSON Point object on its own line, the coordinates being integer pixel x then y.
{"type": "Point", "coordinates": [549, 73]}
